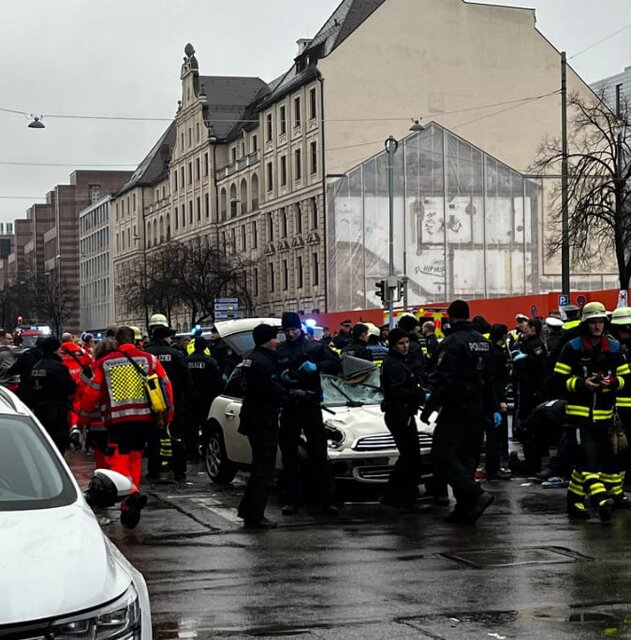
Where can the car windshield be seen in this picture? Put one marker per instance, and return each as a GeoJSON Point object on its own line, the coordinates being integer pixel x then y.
{"type": "Point", "coordinates": [339, 393]}
{"type": "Point", "coordinates": [31, 475]}
{"type": "Point", "coordinates": [29, 341]}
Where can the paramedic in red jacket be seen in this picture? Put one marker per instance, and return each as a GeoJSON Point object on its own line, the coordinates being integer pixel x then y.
{"type": "Point", "coordinates": [117, 390]}
{"type": "Point", "coordinates": [78, 363]}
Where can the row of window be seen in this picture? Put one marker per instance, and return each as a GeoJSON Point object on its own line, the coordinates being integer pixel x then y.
{"type": "Point", "coordinates": [284, 122]}
{"type": "Point", "coordinates": [98, 265]}
{"type": "Point", "coordinates": [187, 172]}
{"type": "Point", "coordinates": [124, 240]}
{"type": "Point", "coordinates": [127, 205]}
{"type": "Point", "coordinates": [96, 241]}
{"type": "Point", "coordinates": [282, 279]}
{"type": "Point", "coordinates": [189, 137]}
{"type": "Point", "coordinates": [97, 290]}
{"type": "Point", "coordinates": [94, 218]}
{"type": "Point", "coordinates": [283, 174]}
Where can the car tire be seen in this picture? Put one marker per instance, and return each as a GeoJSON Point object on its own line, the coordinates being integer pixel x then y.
{"type": "Point", "coordinates": [220, 470]}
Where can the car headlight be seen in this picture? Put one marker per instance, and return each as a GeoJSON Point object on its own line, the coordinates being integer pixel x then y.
{"type": "Point", "coordinates": [118, 620]}
{"type": "Point", "coordinates": [334, 435]}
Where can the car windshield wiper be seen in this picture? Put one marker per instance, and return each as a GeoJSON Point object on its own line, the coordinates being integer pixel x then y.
{"type": "Point", "coordinates": [351, 401]}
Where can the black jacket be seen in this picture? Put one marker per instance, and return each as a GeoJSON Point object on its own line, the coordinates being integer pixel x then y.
{"type": "Point", "coordinates": [23, 367]}
{"type": "Point", "coordinates": [530, 372]}
{"type": "Point", "coordinates": [292, 354]}
{"type": "Point", "coordinates": [498, 367]}
{"type": "Point", "coordinates": [462, 383]}
{"type": "Point", "coordinates": [341, 340]}
{"type": "Point", "coordinates": [357, 349]}
{"type": "Point", "coordinates": [51, 381]}
{"type": "Point", "coordinates": [400, 384]}
{"type": "Point", "coordinates": [205, 376]}
{"type": "Point", "coordinates": [263, 393]}
{"type": "Point", "coordinates": [174, 364]}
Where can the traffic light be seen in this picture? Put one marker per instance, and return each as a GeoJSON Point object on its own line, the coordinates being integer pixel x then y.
{"type": "Point", "coordinates": [381, 291]}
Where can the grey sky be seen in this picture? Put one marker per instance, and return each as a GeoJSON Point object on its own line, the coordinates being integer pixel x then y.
{"type": "Point", "coordinates": [122, 58]}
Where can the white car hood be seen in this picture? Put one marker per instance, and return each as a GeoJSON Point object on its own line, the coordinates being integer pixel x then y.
{"type": "Point", "coordinates": [368, 420]}
{"type": "Point", "coordinates": [55, 562]}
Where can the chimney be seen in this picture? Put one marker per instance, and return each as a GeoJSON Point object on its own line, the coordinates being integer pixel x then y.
{"type": "Point", "coordinates": [303, 43]}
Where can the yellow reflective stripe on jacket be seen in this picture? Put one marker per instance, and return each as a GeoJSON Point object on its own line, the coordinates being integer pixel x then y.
{"type": "Point", "coordinates": [623, 370]}
{"type": "Point", "coordinates": [621, 383]}
{"type": "Point", "coordinates": [562, 368]}
{"type": "Point", "coordinates": [603, 414]}
{"type": "Point", "coordinates": [623, 402]}
{"type": "Point", "coordinates": [577, 410]}
{"type": "Point", "coordinates": [570, 384]}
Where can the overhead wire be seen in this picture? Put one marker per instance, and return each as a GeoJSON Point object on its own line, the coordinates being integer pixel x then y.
{"type": "Point", "coordinates": [595, 44]}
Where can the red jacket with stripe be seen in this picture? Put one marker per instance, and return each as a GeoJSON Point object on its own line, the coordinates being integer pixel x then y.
{"type": "Point", "coordinates": [117, 390]}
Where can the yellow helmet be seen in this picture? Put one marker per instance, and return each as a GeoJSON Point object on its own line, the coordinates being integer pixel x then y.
{"type": "Point", "coordinates": [594, 311]}
{"type": "Point", "coordinates": [621, 316]}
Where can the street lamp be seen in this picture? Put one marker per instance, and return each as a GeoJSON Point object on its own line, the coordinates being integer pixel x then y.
{"type": "Point", "coordinates": [36, 123]}
{"type": "Point", "coordinates": [391, 145]}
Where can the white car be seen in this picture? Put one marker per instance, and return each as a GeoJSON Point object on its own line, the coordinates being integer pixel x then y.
{"type": "Point", "coordinates": [60, 577]}
{"type": "Point", "coordinates": [360, 447]}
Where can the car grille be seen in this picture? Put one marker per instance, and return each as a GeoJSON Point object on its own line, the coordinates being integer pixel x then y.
{"type": "Point", "coordinates": [386, 441]}
{"type": "Point", "coordinates": [374, 473]}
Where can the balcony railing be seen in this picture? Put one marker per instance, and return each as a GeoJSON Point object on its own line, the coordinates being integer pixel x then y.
{"type": "Point", "coordinates": [238, 165]}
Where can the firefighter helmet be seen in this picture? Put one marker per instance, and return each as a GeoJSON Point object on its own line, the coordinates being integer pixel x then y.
{"type": "Point", "coordinates": [158, 320]}
{"type": "Point", "coordinates": [621, 316]}
{"type": "Point", "coordinates": [594, 311]}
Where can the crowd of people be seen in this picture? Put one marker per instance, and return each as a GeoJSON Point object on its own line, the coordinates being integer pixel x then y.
{"type": "Point", "coordinates": [568, 380]}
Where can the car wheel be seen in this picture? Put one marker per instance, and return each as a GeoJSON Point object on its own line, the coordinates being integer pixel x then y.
{"type": "Point", "coordinates": [219, 469]}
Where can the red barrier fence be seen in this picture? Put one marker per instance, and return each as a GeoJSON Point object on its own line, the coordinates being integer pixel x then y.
{"type": "Point", "coordinates": [493, 309]}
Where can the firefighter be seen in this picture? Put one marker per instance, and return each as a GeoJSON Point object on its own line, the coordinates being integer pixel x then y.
{"type": "Point", "coordinates": [591, 371]}
{"type": "Point", "coordinates": [52, 389]}
{"type": "Point", "coordinates": [358, 346]}
{"type": "Point", "coordinates": [170, 445]}
{"type": "Point", "coordinates": [462, 389]}
{"type": "Point", "coordinates": [378, 351]}
{"type": "Point", "coordinates": [207, 385]}
{"type": "Point", "coordinates": [402, 397]}
{"type": "Point", "coordinates": [614, 477]}
{"type": "Point", "coordinates": [300, 363]}
{"type": "Point", "coordinates": [117, 390]}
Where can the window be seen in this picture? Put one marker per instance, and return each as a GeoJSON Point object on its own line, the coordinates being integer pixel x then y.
{"type": "Point", "coordinates": [268, 127]}
{"type": "Point", "coordinates": [244, 196]}
{"type": "Point", "coordinates": [199, 209]}
{"type": "Point", "coordinates": [206, 206]}
{"type": "Point", "coordinates": [283, 171]}
{"type": "Point", "coordinates": [283, 121]}
{"type": "Point", "coordinates": [197, 131]}
{"type": "Point", "coordinates": [243, 239]}
{"type": "Point", "coordinates": [233, 154]}
{"type": "Point", "coordinates": [298, 218]}
{"type": "Point", "coordinates": [255, 242]}
{"type": "Point", "coordinates": [254, 189]}
{"type": "Point", "coordinates": [223, 207]}
{"type": "Point", "coordinates": [315, 276]}
{"type": "Point", "coordinates": [197, 169]}
{"type": "Point", "coordinates": [270, 227]}
{"type": "Point", "coordinates": [182, 181]}
{"type": "Point", "coordinates": [233, 240]}
{"type": "Point", "coordinates": [285, 276]}
{"type": "Point", "coordinates": [269, 177]}
{"type": "Point", "coordinates": [314, 213]}
{"type": "Point", "coordinates": [297, 113]}
{"type": "Point", "coordinates": [176, 219]}
{"type": "Point", "coordinates": [190, 212]}
{"type": "Point", "coordinates": [271, 277]}
{"type": "Point", "coordinates": [313, 147]}
{"type": "Point", "coordinates": [183, 210]}
{"type": "Point", "coordinates": [234, 201]}
{"type": "Point", "coordinates": [255, 281]}
{"type": "Point", "coordinates": [190, 173]}
{"type": "Point", "coordinates": [299, 272]}
{"type": "Point", "coordinates": [175, 180]}
{"type": "Point", "coordinates": [255, 143]}
{"type": "Point", "coordinates": [182, 141]}
{"type": "Point", "coordinates": [283, 223]}
{"type": "Point", "coordinates": [190, 137]}
{"type": "Point", "coordinates": [133, 199]}
{"type": "Point", "coordinates": [206, 164]}
{"type": "Point", "coordinates": [313, 106]}
{"type": "Point", "coordinates": [95, 193]}
{"type": "Point", "coordinates": [297, 165]}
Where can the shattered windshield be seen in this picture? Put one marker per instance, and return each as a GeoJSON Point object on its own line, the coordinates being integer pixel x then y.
{"type": "Point", "coordinates": [339, 393]}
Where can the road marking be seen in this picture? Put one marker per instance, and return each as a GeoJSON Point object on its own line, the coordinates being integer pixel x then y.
{"type": "Point", "coordinates": [215, 507]}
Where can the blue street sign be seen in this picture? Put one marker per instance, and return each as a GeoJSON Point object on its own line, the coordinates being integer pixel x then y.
{"type": "Point", "coordinates": [564, 300]}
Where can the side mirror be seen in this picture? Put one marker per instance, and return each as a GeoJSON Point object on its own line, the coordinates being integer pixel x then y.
{"type": "Point", "coordinates": [106, 488]}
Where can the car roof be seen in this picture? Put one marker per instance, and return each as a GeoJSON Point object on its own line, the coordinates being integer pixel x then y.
{"type": "Point", "coordinates": [10, 404]}
{"type": "Point", "coordinates": [229, 327]}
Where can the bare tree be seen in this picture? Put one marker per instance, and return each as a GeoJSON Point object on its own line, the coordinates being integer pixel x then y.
{"type": "Point", "coordinates": [48, 297]}
{"type": "Point", "coordinates": [599, 193]}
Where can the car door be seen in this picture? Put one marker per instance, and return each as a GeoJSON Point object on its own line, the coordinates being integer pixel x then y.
{"type": "Point", "coordinates": [226, 410]}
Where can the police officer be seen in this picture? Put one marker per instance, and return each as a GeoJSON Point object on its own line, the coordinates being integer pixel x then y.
{"type": "Point", "coordinates": [590, 372]}
{"type": "Point", "coordinates": [207, 385]}
{"type": "Point", "coordinates": [23, 367]}
{"type": "Point", "coordinates": [462, 389]}
{"type": "Point", "coordinates": [263, 394]}
{"type": "Point", "coordinates": [571, 329]}
{"type": "Point", "coordinates": [515, 335]}
{"type": "Point", "coordinates": [52, 388]}
{"type": "Point", "coordinates": [344, 335]}
{"type": "Point", "coordinates": [300, 363]}
{"type": "Point", "coordinates": [358, 346]}
{"type": "Point", "coordinates": [402, 397]}
{"type": "Point", "coordinates": [170, 444]}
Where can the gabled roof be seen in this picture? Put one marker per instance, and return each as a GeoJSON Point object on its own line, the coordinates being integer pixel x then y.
{"type": "Point", "coordinates": [228, 98]}
{"type": "Point", "coordinates": [154, 167]}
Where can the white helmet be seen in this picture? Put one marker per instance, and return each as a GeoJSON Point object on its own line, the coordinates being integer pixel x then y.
{"type": "Point", "coordinates": [158, 320]}
{"type": "Point", "coordinates": [621, 316]}
{"type": "Point", "coordinates": [594, 311]}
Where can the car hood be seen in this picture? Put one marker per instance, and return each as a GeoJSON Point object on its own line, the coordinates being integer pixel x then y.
{"type": "Point", "coordinates": [55, 562]}
{"type": "Point", "coordinates": [365, 421]}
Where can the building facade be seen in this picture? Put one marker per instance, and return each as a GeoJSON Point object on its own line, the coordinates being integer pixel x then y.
{"type": "Point", "coordinates": [250, 162]}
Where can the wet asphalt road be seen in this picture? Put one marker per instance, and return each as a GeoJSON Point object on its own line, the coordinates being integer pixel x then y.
{"type": "Point", "coordinates": [523, 571]}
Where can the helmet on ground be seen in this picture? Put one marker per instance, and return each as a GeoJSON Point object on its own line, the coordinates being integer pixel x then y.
{"type": "Point", "coordinates": [158, 320]}
{"type": "Point", "coordinates": [594, 311]}
{"type": "Point", "coordinates": [621, 316]}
